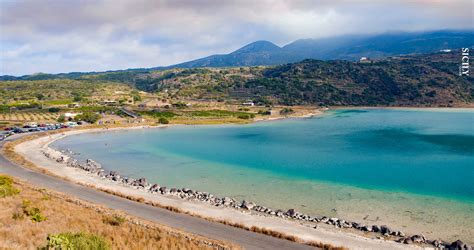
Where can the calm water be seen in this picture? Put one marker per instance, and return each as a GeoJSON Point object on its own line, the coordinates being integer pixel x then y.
{"type": "Point", "coordinates": [414, 169]}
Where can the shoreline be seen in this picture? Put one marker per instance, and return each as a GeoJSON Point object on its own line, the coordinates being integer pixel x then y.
{"type": "Point", "coordinates": [414, 108]}
{"type": "Point", "coordinates": [33, 151]}
{"type": "Point", "coordinates": [291, 226]}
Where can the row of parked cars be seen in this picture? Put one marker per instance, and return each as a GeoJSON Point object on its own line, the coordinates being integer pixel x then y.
{"type": "Point", "coordinates": [35, 127]}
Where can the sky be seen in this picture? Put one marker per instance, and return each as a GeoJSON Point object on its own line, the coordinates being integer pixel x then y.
{"type": "Point", "coordinates": [54, 36]}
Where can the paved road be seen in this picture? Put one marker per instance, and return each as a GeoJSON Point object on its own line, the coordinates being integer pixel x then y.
{"type": "Point", "coordinates": [198, 226]}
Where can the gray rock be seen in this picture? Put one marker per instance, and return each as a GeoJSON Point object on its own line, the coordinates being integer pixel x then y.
{"type": "Point", "coordinates": [226, 201]}
{"type": "Point", "coordinates": [279, 213]}
{"type": "Point", "coordinates": [291, 212]}
{"type": "Point", "coordinates": [458, 245]}
{"type": "Point", "coordinates": [366, 228]}
{"type": "Point", "coordinates": [418, 238]}
{"type": "Point", "coordinates": [141, 182]}
{"type": "Point", "coordinates": [163, 190]}
{"type": "Point", "coordinates": [154, 188]}
{"type": "Point", "coordinates": [385, 230]}
{"type": "Point", "coordinates": [247, 205]}
{"type": "Point", "coordinates": [376, 228]}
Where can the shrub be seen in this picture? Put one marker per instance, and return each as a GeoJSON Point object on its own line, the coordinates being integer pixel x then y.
{"type": "Point", "coordinates": [6, 187]}
{"type": "Point", "coordinates": [115, 220]}
{"type": "Point", "coordinates": [163, 120]}
{"type": "Point", "coordinates": [37, 217]}
{"type": "Point", "coordinates": [54, 110]}
{"type": "Point", "coordinates": [245, 117]}
{"type": "Point", "coordinates": [33, 212]}
{"type": "Point", "coordinates": [18, 215]}
{"type": "Point", "coordinates": [61, 118]}
{"type": "Point", "coordinates": [286, 111]}
{"type": "Point", "coordinates": [264, 112]}
{"type": "Point", "coordinates": [76, 241]}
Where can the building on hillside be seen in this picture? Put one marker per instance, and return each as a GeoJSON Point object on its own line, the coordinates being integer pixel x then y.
{"type": "Point", "coordinates": [248, 103]}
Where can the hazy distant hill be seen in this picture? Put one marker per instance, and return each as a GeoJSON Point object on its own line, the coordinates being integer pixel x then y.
{"type": "Point", "coordinates": [256, 53]}
{"type": "Point", "coordinates": [349, 47]}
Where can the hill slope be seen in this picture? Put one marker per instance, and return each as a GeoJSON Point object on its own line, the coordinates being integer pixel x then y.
{"type": "Point", "coordinates": [416, 80]}
{"type": "Point", "coordinates": [422, 80]}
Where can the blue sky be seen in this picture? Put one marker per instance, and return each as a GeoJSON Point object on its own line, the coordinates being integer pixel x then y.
{"type": "Point", "coordinates": [64, 35]}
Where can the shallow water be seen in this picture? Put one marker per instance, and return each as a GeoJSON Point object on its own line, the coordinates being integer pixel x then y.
{"type": "Point", "coordinates": [409, 169]}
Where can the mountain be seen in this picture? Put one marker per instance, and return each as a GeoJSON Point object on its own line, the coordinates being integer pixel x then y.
{"type": "Point", "coordinates": [348, 47]}
{"type": "Point", "coordinates": [256, 53]}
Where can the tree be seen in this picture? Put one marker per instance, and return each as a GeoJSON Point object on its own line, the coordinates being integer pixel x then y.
{"type": "Point", "coordinates": [88, 117]}
{"type": "Point", "coordinates": [54, 110]}
{"type": "Point", "coordinates": [163, 120]}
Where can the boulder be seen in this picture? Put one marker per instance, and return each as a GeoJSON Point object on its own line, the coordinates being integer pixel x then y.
{"type": "Point", "coordinates": [247, 205]}
{"type": "Point", "coordinates": [385, 230]}
{"type": "Point", "coordinates": [141, 182]}
{"type": "Point", "coordinates": [376, 228]}
{"type": "Point", "coordinates": [291, 212]}
{"type": "Point", "coordinates": [163, 190]}
{"type": "Point", "coordinates": [458, 245]}
{"type": "Point", "coordinates": [226, 201]}
{"type": "Point", "coordinates": [418, 238]}
{"type": "Point", "coordinates": [154, 188]}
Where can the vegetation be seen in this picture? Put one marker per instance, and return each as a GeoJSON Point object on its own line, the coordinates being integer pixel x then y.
{"type": "Point", "coordinates": [163, 120]}
{"type": "Point", "coordinates": [88, 117]}
{"type": "Point", "coordinates": [33, 212]}
{"type": "Point", "coordinates": [114, 220]}
{"type": "Point", "coordinates": [76, 241]}
{"type": "Point", "coordinates": [6, 187]}
{"type": "Point", "coordinates": [61, 118]}
{"type": "Point", "coordinates": [286, 111]}
{"type": "Point", "coordinates": [73, 220]}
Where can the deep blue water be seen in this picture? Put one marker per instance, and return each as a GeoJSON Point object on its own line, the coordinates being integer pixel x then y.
{"type": "Point", "coordinates": [420, 152]}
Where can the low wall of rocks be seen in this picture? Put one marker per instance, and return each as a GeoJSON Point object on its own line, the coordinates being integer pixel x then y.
{"type": "Point", "coordinates": [94, 168]}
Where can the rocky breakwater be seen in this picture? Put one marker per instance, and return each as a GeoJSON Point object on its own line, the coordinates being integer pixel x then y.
{"type": "Point", "coordinates": [383, 231]}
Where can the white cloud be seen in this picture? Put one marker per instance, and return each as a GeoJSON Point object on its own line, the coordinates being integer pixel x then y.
{"type": "Point", "coordinates": [62, 36]}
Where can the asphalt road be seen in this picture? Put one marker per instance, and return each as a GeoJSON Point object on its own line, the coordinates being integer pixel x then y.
{"type": "Point", "coordinates": [213, 230]}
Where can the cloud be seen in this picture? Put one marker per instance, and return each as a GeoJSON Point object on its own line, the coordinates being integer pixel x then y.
{"type": "Point", "coordinates": [63, 36]}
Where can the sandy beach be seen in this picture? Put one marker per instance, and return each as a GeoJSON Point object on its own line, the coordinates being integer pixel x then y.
{"type": "Point", "coordinates": [33, 151]}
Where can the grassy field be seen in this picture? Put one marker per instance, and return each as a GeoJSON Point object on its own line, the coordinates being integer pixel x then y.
{"type": "Point", "coordinates": [29, 215]}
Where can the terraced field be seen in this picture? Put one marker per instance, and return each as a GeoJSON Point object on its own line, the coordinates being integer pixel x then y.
{"type": "Point", "coordinates": [29, 117]}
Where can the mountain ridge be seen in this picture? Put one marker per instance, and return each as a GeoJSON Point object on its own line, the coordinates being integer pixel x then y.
{"type": "Point", "coordinates": [346, 47]}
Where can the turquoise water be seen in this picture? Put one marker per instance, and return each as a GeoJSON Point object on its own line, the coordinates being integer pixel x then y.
{"type": "Point", "coordinates": [404, 159]}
